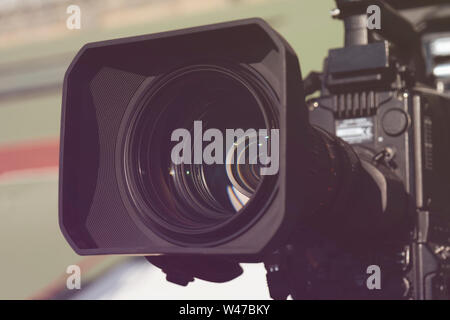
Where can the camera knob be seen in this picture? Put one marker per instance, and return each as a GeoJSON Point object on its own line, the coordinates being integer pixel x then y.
{"type": "Point", "coordinates": [395, 122]}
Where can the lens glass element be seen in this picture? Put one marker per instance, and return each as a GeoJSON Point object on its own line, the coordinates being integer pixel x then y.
{"type": "Point", "coordinates": [220, 112]}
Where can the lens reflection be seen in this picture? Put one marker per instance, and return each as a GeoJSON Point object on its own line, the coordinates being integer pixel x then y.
{"type": "Point", "coordinates": [217, 191]}
{"type": "Point", "coordinates": [192, 197]}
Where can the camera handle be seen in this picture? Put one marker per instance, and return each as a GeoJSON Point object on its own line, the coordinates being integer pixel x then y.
{"type": "Point", "coordinates": [183, 269]}
{"type": "Point", "coordinates": [395, 27]}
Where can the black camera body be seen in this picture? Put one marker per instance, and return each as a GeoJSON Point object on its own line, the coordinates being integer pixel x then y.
{"type": "Point", "coordinates": [406, 128]}
{"type": "Point", "coordinates": [372, 99]}
{"type": "Point", "coordinates": [364, 168]}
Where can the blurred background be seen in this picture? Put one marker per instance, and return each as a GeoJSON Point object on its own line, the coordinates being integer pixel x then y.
{"type": "Point", "coordinates": [36, 48]}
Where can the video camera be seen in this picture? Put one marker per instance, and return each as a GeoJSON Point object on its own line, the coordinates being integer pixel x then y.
{"type": "Point", "coordinates": [203, 148]}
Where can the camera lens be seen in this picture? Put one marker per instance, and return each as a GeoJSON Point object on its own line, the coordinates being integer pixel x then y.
{"type": "Point", "coordinates": [200, 201]}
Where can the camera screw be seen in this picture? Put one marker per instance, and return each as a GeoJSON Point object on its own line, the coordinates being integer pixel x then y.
{"type": "Point", "coordinates": [385, 156]}
{"type": "Point", "coordinates": [405, 256]}
{"type": "Point", "coordinates": [312, 104]}
{"type": "Point", "coordinates": [335, 13]}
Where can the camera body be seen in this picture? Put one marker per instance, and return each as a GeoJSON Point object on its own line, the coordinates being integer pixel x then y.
{"type": "Point", "coordinates": [371, 98]}
{"type": "Point", "coordinates": [407, 128]}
